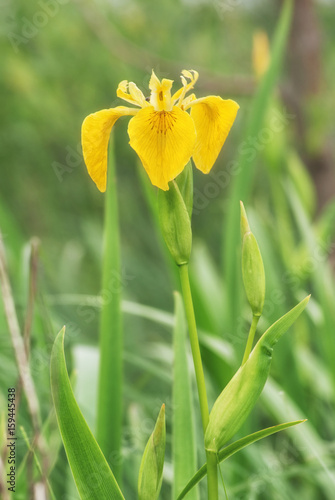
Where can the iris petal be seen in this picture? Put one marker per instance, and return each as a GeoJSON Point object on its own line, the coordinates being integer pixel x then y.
{"type": "Point", "coordinates": [213, 118]}
{"type": "Point", "coordinates": [95, 132]}
{"type": "Point", "coordinates": [164, 141]}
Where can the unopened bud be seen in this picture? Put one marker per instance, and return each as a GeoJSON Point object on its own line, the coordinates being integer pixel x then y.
{"type": "Point", "coordinates": [252, 267]}
{"type": "Point", "coordinates": [175, 223]}
{"type": "Point", "coordinates": [240, 395]}
{"type": "Point", "coordinates": [151, 469]}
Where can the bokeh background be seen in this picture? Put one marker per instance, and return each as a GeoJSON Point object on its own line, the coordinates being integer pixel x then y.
{"type": "Point", "coordinates": [61, 60]}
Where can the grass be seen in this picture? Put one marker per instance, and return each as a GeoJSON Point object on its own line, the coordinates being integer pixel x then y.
{"type": "Point", "coordinates": [49, 93]}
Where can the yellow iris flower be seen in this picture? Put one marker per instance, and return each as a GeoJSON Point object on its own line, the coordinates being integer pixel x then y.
{"type": "Point", "coordinates": [163, 134]}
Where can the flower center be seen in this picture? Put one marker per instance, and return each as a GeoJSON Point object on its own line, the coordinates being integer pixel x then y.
{"type": "Point", "coordinates": [160, 97]}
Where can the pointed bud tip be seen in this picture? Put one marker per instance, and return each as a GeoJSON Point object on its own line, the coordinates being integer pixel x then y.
{"type": "Point", "coordinates": [244, 221]}
{"type": "Point", "coordinates": [161, 415]}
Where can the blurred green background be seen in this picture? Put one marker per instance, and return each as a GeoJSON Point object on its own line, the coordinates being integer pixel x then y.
{"type": "Point", "coordinates": [62, 60]}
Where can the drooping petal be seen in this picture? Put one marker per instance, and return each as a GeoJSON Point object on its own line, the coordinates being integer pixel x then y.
{"type": "Point", "coordinates": [213, 118]}
{"type": "Point", "coordinates": [95, 132]}
{"type": "Point", "coordinates": [164, 141]}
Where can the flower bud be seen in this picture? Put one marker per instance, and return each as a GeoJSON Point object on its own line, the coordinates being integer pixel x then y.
{"type": "Point", "coordinates": [175, 223]}
{"type": "Point", "coordinates": [252, 267]}
{"type": "Point", "coordinates": [185, 184]}
{"type": "Point", "coordinates": [151, 470]}
{"type": "Point", "coordinates": [238, 398]}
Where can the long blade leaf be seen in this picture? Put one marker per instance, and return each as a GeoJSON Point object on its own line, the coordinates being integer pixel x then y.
{"type": "Point", "coordinates": [184, 450]}
{"type": "Point", "coordinates": [93, 477]}
{"type": "Point", "coordinates": [109, 414]}
{"type": "Point", "coordinates": [242, 182]}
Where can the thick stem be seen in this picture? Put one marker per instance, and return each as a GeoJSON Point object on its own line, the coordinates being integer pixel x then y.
{"type": "Point", "coordinates": [212, 476]}
{"type": "Point", "coordinates": [250, 340]}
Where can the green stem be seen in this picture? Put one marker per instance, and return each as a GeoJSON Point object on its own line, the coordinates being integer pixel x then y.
{"type": "Point", "coordinates": [192, 328]}
{"type": "Point", "coordinates": [109, 414]}
{"type": "Point", "coordinates": [212, 477]}
{"type": "Point", "coordinates": [250, 340]}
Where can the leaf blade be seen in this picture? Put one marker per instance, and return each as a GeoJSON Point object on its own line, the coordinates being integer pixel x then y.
{"type": "Point", "coordinates": [183, 447]}
{"type": "Point", "coordinates": [242, 182]}
{"type": "Point", "coordinates": [93, 477]}
{"type": "Point", "coordinates": [110, 385]}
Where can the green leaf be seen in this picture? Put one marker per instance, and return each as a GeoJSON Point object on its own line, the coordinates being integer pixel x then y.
{"type": "Point", "coordinates": [242, 180]}
{"type": "Point", "coordinates": [303, 182]}
{"type": "Point", "coordinates": [151, 470]}
{"type": "Point", "coordinates": [110, 387]}
{"type": "Point", "coordinates": [234, 448]}
{"type": "Point", "coordinates": [183, 439]}
{"type": "Point", "coordinates": [92, 475]}
{"type": "Point", "coordinates": [277, 330]}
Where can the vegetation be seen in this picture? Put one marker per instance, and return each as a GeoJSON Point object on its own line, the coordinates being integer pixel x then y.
{"type": "Point", "coordinates": [62, 61]}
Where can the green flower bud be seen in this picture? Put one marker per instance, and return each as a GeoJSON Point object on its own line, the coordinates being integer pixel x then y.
{"type": "Point", "coordinates": [238, 398]}
{"type": "Point", "coordinates": [151, 470]}
{"type": "Point", "coordinates": [175, 223]}
{"type": "Point", "coordinates": [252, 267]}
{"type": "Point", "coordinates": [185, 184]}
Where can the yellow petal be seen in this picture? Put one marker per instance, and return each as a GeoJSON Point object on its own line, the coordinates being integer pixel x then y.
{"type": "Point", "coordinates": [137, 95]}
{"type": "Point", "coordinates": [160, 97]}
{"type": "Point", "coordinates": [122, 92]}
{"type": "Point", "coordinates": [95, 132]}
{"type": "Point", "coordinates": [213, 118]}
{"type": "Point", "coordinates": [164, 141]}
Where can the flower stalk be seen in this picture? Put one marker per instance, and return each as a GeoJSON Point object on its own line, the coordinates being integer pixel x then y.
{"type": "Point", "coordinates": [251, 337]}
{"type": "Point", "coordinates": [192, 328]}
{"type": "Point", "coordinates": [212, 476]}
